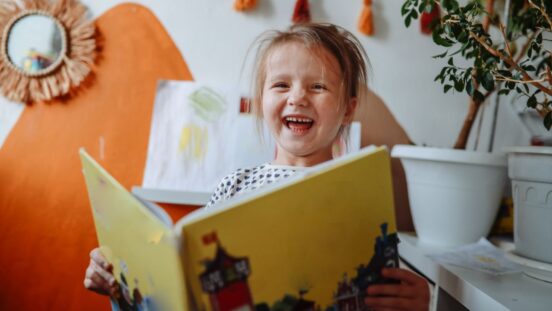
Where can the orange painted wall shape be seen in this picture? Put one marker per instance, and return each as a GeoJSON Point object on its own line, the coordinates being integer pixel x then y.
{"type": "Point", "coordinates": [47, 227]}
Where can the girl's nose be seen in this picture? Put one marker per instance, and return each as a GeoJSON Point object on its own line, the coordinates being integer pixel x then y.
{"type": "Point", "coordinates": [297, 97]}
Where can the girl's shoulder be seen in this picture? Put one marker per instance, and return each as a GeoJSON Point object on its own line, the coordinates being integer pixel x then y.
{"type": "Point", "coordinates": [260, 172]}
{"type": "Point", "coordinates": [247, 179]}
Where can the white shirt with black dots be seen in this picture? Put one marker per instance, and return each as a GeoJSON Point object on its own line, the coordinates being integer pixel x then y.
{"type": "Point", "coordinates": [246, 180]}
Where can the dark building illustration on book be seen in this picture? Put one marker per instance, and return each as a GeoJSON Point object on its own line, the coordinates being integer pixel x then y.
{"type": "Point", "coordinates": [225, 280]}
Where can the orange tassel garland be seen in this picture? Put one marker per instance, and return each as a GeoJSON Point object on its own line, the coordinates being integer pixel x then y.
{"type": "Point", "coordinates": [301, 13]}
{"type": "Point", "coordinates": [428, 19]}
{"type": "Point", "coordinates": [244, 5]}
{"type": "Point", "coordinates": [365, 22]}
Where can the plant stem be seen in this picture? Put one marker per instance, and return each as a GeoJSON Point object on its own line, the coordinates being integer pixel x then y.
{"type": "Point", "coordinates": [512, 63]}
{"type": "Point", "coordinates": [474, 105]}
{"type": "Point", "coordinates": [542, 10]}
{"type": "Point", "coordinates": [462, 139]}
{"type": "Point", "coordinates": [526, 46]}
{"type": "Point", "coordinates": [502, 78]}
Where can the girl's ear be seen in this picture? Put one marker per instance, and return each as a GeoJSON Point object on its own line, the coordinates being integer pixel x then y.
{"type": "Point", "coordinates": [350, 111]}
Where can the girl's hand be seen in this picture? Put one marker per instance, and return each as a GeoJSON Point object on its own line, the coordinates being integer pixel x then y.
{"type": "Point", "coordinates": [411, 294]}
{"type": "Point", "coordinates": [99, 275]}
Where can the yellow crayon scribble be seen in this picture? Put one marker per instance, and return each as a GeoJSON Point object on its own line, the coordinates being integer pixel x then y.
{"type": "Point", "coordinates": [200, 138]}
{"type": "Point", "coordinates": [193, 141]}
{"type": "Point", "coordinates": [184, 138]}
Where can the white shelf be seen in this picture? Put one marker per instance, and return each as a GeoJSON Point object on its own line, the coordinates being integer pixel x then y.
{"type": "Point", "coordinates": [475, 290]}
{"type": "Point", "coordinates": [172, 196]}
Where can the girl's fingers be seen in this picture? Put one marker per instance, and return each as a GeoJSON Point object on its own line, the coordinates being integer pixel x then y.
{"type": "Point", "coordinates": [390, 302]}
{"type": "Point", "coordinates": [95, 282]}
{"type": "Point", "coordinates": [106, 275]}
{"type": "Point", "coordinates": [403, 275]}
{"type": "Point", "coordinates": [99, 282]}
{"type": "Point", "coordinates": [99, 276]}
{"type": "Point", "coordinates": [393, 290]}
{"type": "Point", "coordinates": [114, 291]}
{"type": "Point", "coordinates": [98, 258]}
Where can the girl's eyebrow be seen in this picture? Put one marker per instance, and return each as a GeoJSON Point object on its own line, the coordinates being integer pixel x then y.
{"type": "Point", "coordinates": [284, 76]}
{"type": "Point", "coordinates": [278, 77]}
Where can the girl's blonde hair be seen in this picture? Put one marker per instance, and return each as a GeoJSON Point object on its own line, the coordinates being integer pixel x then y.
{"type": "Point", "coordinates": [339, 42]}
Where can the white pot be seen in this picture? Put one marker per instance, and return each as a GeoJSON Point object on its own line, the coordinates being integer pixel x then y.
{"type": "Point", "coordinates": [530, 169]}
{"type": "Point", "coordinates": [454, 194]}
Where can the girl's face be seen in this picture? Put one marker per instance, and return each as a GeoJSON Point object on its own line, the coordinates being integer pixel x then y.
{"type": "Point", "coordinates": [301, 103]}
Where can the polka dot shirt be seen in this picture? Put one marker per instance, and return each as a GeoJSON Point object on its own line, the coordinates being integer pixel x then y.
{"type": "Point", "coordinates": [246, 180]}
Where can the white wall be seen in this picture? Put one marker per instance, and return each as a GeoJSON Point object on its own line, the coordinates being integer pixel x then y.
{"type": "Point", "coordinates": [214, 40]}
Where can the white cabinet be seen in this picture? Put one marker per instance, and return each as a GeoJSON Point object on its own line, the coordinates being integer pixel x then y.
{"type": "Point", "coordinates": [463, 289]}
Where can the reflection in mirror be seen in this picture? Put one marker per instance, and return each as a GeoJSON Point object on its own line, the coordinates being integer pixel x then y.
{"type": "Point", "coordinates": [47, 48]}
{"type": "Point", "coordinates": [35, 43]}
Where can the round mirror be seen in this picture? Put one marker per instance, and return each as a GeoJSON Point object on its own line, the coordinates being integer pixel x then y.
{"type": "Point", "coordinates": [35, 44]}
{"type": "Point", "coordinates": [47, 48]}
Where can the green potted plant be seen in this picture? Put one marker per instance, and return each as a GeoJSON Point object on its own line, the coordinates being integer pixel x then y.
{"type": "Point", "coordinates": [514, 57]}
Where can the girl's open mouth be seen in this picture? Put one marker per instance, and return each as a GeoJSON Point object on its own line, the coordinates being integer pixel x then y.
{"type": "Point", "coordinates": [298, 124]}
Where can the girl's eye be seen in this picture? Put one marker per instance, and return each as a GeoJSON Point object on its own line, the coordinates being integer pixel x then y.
{"type": "Point", "coordinates": [319, 87]}
{"type": "Point", "coordinates": [280, 85]}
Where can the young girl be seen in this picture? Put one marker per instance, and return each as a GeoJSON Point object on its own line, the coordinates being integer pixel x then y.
{"type": "Point", "coordinates": [309, 81]}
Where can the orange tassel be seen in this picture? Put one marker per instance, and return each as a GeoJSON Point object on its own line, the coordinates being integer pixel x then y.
{"type": "Point", "coordinates": [301, 13]}
{"type": "Point", "coordinates": [365, 22]}
{"type": "Point", "coordinates": [244, 5]}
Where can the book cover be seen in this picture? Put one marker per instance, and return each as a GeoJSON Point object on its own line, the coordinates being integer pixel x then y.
{"type": "Point", "coordinates": [141, 246]}
{"type": "Point", "coordinates": [313, 242]}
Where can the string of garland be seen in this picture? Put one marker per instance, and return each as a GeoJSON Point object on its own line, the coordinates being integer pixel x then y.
{"type": "Point", "coordinates": [429, 18]}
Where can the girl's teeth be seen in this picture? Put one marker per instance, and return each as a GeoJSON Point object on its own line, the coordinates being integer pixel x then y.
{"type": "Point", "coordinates": [293, 119]}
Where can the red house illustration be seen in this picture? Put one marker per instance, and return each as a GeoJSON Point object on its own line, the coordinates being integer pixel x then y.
{"type": "Point", "coordinates": [225, 280]}
{"type": "Point", "coordinates": [346, 297]}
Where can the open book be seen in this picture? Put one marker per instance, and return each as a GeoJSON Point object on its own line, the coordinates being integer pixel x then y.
{"type": "Point", "coordinates": [313, 241]}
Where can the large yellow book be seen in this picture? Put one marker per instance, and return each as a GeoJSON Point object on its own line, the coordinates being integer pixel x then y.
{"type": "Point", "coordinates": [315, 241]}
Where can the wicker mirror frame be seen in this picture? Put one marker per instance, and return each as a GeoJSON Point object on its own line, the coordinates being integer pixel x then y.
{"type": "Point", "coordinates": [73, 64]}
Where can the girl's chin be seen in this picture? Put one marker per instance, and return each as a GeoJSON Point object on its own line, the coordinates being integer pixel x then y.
{"type": "Point", "coordinates": [303, 150]}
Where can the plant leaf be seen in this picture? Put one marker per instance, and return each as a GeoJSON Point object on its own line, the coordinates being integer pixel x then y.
{"type": "Point", "coordinates": [487, 81]}
{"type": "Point", "coordinates": [404, 7]}
{"type": "Point", "coordinates": [504, 92]}
{"type": "Point", "coordinates": [532, 102]}
{"type": "Point", "coordinates": [478, 97]}
{"type": "Point", "coordinates": [548, 121]}
{"type": "Point", "coordinates": [469, 87]}
{"type": "Point", "coordinates": [407, 21]}
{"type": "Point", "coordinates": [440, 40]}
{"type": "Point", "coordinates": [440, 55]}
{"type": "Point", "coordinates": [459, 85]}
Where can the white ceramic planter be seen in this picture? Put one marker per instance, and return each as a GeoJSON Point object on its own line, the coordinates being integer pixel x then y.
{"type": "Point", "coordinates": [454, 194]}
{"type": "Point", "coordinates": [530, 169]}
